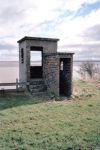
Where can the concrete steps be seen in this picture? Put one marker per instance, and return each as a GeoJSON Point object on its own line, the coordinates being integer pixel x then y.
{"type": "Point", "coordinates": [38, 90]}
{"type": "Point", "coordinates": [37, 86]}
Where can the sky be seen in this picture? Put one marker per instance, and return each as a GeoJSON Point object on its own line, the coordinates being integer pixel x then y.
{"type": "Point", "coordinates": [75, 22]}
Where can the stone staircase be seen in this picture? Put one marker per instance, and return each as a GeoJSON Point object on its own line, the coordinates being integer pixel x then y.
{"type": "Point", "coordinates": [38, 88]}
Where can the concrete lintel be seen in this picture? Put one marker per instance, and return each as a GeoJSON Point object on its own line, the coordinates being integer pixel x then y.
{"type": "Point", "coordinates": [59, 54]}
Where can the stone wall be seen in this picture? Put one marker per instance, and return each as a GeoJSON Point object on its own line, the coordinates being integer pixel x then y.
{"type": "Point", "coordinates": [51, 73]}
{"type": "Point", "coordinates": [22, 66]}
{"type": "Point", "coordinates": [48, 47]}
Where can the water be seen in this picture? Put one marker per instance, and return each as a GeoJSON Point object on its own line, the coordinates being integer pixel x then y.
{"type": "Point", "coordinates": [9, 71]}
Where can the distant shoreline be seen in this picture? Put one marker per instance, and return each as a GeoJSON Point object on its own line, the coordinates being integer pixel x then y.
{"type": "Point", "coordinates": [39, 61]}
{"type": "Point", "coordinates": [16, 63]}
{"type": "Point", "coordinates": [9, 70]}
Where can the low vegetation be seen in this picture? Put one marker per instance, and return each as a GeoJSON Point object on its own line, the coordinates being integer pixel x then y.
{"type": "Point", "coordinates": [73, 124]}
{"type": "Point", "coordinates": [89, 70]}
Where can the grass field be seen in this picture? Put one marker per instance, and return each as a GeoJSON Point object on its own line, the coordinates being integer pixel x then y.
{"type": "Point", "coordinates": [30, 124]}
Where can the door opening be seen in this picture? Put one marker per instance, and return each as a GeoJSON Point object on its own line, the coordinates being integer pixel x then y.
{"type": "Point", "coordinates": [65, 76]}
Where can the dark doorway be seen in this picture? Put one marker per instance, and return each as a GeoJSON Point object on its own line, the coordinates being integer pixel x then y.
{"type": "Point", "coordinates": [65, 76]}
{"type": "Point", "coordinates": [36, 62]}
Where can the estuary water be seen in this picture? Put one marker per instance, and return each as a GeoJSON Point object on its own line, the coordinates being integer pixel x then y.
{"type": "Point", "coordinates": [9, 71]}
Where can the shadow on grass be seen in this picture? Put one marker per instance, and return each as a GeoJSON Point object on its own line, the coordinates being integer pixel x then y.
{"type": "Point", "coordinates": [9, 101]}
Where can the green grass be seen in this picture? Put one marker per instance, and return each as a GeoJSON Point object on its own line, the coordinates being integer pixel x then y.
{"type": "Point", "coordinates": [30, 124]}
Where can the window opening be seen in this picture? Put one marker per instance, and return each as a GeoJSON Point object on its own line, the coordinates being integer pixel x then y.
{"type": "Point", "coordinates": [22, 55]}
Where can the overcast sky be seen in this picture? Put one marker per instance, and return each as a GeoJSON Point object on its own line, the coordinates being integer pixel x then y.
{"type": "Point", "coordinates": [75, 22]}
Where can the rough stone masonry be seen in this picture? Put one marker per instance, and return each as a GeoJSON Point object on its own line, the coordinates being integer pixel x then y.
{"type": "Point", "coordinates": [55, 69]}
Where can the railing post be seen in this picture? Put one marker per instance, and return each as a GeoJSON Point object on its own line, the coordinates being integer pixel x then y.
{"type": "Point", "coordinates": [2, 91]}
{"type": "Point", "coordinates": [17, 85]}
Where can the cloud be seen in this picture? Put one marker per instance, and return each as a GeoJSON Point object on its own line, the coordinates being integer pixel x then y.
{"type": "Point", "coordinates": [54, 18]}
{"type": "Point", "coordinates": [81, 35]}
{"type": "Point", "coordinates": [8, 55]}
{"type": "Point", "coordinates": [89, 54]}
{"type": "Point", "coordinates": [84, 51]}
{"type": "Point", "coordinates": [10, 15]}
{"type": "Point", "coordinates": [6, 46]}
{"type": "Point", "coordinates": [92, 33]}
{"type": "Point", "coordinates": [73, 5]}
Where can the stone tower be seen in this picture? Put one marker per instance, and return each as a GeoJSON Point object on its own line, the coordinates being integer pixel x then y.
{"type": "Point", "coordinates": [55, 69]}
